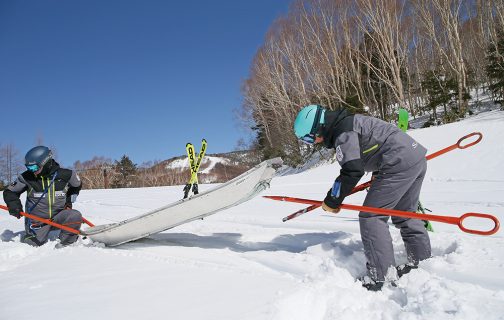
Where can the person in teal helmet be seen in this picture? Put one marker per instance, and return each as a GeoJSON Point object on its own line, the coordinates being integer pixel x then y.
{"type": "Point", "coordinates": [367, 144]}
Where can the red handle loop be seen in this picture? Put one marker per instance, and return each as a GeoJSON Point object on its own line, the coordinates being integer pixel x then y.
{"type": "Point", "coordinates": [459, 143]}
{"type": "Point", "coordinates": [479, 215]}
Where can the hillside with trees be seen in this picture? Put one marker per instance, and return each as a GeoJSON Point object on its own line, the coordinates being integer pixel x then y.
{"type": "Point", "coordinates": [372, 57]}
{"type": "Point", "coordinates": [102, 173]}
{"type": "Point", "coordinates": [368, 56]}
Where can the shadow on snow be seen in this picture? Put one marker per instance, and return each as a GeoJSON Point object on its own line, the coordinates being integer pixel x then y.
{"type": "Point", "coordinates": [294, 243]}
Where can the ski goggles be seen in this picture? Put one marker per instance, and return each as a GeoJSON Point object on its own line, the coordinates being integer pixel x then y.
{"type": "Point", "coordinates": [33, 167]}
{"type": "Point", "coordinates": [312, 136]}
{"type": "Point", "coordinates": [36, 167]}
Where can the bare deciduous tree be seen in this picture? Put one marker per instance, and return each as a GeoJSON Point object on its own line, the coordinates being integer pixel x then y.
{"type": "Point", "coordinates": [368, 55]}
{"type": "Point", "coordinates": [10, 163]}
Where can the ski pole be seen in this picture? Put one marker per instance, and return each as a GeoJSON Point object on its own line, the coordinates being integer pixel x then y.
{"type": "Point", "coordinates": [459, 221]}
{"type": "Point", "coordinates": [366, 185]}
{"type": "Point", "coordinates": [46, 221]}
{"type": "Point", "coordinates": [299, 212]}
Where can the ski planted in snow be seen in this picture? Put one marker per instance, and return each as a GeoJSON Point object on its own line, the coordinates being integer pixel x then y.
{"type": "Point", "coordinates": [403, 120]}
{"type": "Point", "coordinates": [194, 164]}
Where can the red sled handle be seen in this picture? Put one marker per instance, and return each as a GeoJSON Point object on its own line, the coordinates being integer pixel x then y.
{"type": "Point", "coordinates": [405, 214]}
{"type": "Point", "coordinates": [478, 215]}
{"type": "Point", "coordinates": [50, 222]}
{"type": "Point", "coordinates": [458, 145]}
{"type": "Point", "coordinates": [432, 217]}
{"type": "Point", "coordinates": [86, 221]}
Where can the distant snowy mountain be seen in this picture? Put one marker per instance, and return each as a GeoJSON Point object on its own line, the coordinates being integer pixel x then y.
{"type": "Point", "coordinates": [215, 167]}
{"type": "Point", "coordinates": [208, 163]}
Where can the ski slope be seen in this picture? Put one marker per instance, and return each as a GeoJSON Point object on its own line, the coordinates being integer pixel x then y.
{"type": "Point", "coordinates": [245, 263]}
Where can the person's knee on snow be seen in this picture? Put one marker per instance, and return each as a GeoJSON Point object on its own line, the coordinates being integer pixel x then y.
{"type": "Point", "coordinates": [70, 218]}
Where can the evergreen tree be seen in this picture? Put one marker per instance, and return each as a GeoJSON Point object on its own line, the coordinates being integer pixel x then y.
{"type": "Point", "coordinates": [125, 173]}
{"type": "Point", "coordinates": [261, 143]}
{"type": "Point", "coordinates": [442, 91]}
{"type": "Point", "coordinates": [495, 69]}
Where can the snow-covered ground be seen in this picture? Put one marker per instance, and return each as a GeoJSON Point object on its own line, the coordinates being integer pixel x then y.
{"type": "Point", "coordinates": [245, 263]}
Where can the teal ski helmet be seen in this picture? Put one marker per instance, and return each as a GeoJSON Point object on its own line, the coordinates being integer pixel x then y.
{"type": "Point", "coordinates": [307, 123]}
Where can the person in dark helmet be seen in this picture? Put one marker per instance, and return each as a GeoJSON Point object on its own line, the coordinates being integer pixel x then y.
{"type": "Point", "coordinates": [51, 190]}
{"type": "Point", "coordinates": [367, 144]}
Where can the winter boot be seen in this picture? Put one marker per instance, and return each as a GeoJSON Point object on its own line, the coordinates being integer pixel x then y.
{"type": "Point", "coordinates": [187, 188]}
{"type": "Point", "coordinates": [374, 285]}
{"type": "Point", "coordinates": [405, 268]}
{"type": "Point", "coordinates": [195, 188]}
{"type": "Point", "coordinates": [31, 240]}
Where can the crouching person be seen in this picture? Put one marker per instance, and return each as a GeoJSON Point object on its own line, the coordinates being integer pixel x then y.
{"type": "Point", "coordinates": [50, 193]}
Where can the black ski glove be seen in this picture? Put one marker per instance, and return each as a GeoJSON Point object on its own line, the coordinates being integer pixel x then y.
{"type": "Point", "coordinates": [15, 212]}
{"type": "Point", "coordinates": [331, 204]}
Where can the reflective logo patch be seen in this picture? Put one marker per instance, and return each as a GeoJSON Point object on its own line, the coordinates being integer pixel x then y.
{"type": "Point", "coordinates": [414, 145]}
{"type": "Point", "coordinates": [339, 154]}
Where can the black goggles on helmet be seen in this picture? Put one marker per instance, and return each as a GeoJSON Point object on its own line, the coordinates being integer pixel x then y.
{"type": "Point", "coordinates": [312, 136]}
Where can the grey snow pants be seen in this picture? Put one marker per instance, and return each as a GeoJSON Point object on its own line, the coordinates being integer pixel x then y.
{"type": "Point", "coordinates": [37, 233]}
{"type": "Point", "coordinates": [398, 191]}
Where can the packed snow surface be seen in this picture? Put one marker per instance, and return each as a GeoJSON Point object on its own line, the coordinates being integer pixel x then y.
{"type": "Point", "coordinates": [245, 263]}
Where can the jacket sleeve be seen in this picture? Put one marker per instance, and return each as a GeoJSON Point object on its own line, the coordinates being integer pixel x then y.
{"type": "Point", "coordinates": [75, 185]}
{"type": "Point", "coordinates": [13, 192]}
{"type": "Point", "coordinates": [352, 167]}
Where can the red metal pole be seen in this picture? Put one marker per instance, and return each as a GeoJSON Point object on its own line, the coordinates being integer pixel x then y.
{"type": "Point", "coordinates": [405, 214]}
{"type": "Point", "coordinates": [457, 145]}
{"type": "Point", "coordinates": [366, 185]}
{"type": "Point", "coordinates": [86, 221]}
{"type": "Point", "coordinates": [46, 221]}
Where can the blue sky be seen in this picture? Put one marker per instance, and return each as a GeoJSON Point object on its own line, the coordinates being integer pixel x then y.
{"type": "Point", "coordinates": [141, 78]}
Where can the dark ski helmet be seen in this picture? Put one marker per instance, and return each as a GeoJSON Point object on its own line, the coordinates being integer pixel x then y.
{"type": "Point", "coordinates": [307, 123]}
{"type": "Point", "coordinates": [37, 157]}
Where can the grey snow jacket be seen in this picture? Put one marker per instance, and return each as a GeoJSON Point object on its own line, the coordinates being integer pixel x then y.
{"type": "Point", "coordinates": [367, 144]}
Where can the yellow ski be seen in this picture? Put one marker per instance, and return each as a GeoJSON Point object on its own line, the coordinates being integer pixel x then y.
{"type": "Point", "coordinates": [194, 164]}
